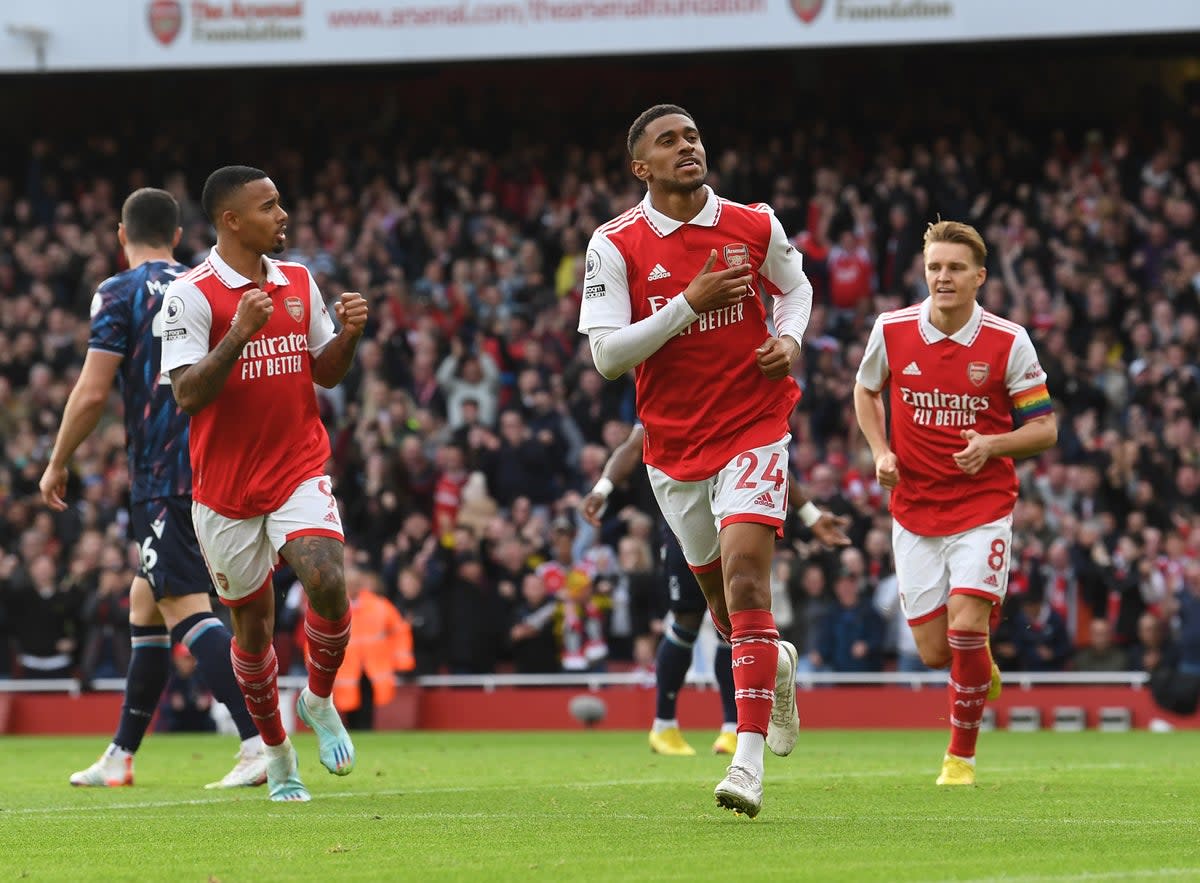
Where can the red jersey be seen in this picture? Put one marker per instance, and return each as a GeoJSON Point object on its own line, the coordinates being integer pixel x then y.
{"type": "Point", "coordinates": [262, 436]}
{"type": "Point", "coordinates": [849, 277]}
{"type": "Point", "coordinates": [701, 396]}
{"type": "Point", "coordinates": [976, 378]}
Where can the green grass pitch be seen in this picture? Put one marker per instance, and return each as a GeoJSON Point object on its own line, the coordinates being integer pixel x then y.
{"type": "Point", "coordinates": [593, 806]}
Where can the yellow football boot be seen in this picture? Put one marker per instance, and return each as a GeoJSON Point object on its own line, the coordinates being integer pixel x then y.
{"type": "Point", "coordinates": [956, 771]}
{"type": "Point", "coordinates": [670, 742]}
{"type": "Point", "coordinates": [726, 743]}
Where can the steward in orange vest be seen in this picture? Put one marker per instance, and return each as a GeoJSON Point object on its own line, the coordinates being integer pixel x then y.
{"type": "Point", "coordinates": [381, 644]}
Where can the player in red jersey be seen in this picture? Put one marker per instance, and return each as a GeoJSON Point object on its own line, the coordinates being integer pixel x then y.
{"type": "Point", "coordinates": [672, 291]}
{"type": "Point", "coordinates": [957, 375]}
{"type": "Point", "coordinates": [244, 339]}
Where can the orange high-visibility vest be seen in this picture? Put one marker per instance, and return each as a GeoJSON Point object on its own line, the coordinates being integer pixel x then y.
{"type": "Point", "coordinates": [381, 644]}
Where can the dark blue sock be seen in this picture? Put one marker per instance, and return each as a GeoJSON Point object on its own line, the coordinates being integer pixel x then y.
{"type": "Point", "coordinates": [670, 668]}
{"type": "Point", "coordinates": [207, 639]}
{"type": "Point", "coordinates": [145, 681]}
{"type": "Point", "coordinates": [723, 672]}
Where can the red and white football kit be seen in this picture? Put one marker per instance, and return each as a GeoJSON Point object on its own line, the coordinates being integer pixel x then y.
{"type": "Point", "coordinates": [951, 531]}
{"type": "Point", "coordinates": [716, 440]}
{"type": "Point", "coordinates": [259, 449]}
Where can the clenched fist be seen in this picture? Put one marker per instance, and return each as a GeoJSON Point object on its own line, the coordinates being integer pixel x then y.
{"type": "Point", "coordinates": [253, 312]}
{"type": "Point", "coordinates": [351, 311]}
{"type": "Point", "coordinates": [776, 357]}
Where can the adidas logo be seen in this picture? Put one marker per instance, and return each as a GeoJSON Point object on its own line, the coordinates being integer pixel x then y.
{"type": "Point", "coordinates": [659, 272]}
{"type": "Point", "coordinates": [912, 370]}
{"type": "Point", "coordinates": [990, 580]}
{"type": "Point", "coordinates": [764, 499]}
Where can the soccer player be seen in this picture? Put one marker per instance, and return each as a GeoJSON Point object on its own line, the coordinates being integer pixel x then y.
{"type": "Point", "coordinates": [957, 375]}
{"type": "Point", "coordinates": [168, 600]}
{"type": "Point", "coordinates": [671, 291]}
{"type": "Point", "coordinates": [688, 606]}
{"type": "Point", "coordinates": [244, 339]}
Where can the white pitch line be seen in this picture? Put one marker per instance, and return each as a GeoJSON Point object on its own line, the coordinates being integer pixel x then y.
{"type": "Point", "coordinates": [1148, 873]}
{"type": "Point", "coordinates": [241, 795]}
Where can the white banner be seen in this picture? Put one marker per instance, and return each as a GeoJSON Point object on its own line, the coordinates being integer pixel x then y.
{"type": "Point", "coordinates": [80, 35]}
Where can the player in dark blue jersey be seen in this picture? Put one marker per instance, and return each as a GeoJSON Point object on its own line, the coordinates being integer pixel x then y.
{"type": "Point", "coordinates": [688, 607]}
{"type": "Point", "coordinates": [169, 599]}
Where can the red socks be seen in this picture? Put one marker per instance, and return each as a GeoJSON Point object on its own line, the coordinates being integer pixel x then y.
{"type": "Point", "coordinates": [755, 656]}
{"type": "Point", "coordinates": [326, 641]}
{"type": "Point", "coordinates": [256, 674]}
{"type": "Point", "coordinates": [970, 676]}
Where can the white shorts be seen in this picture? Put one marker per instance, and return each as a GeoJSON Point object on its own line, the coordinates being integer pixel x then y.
{"type": "Point", "coordinates": [752, 487]}
{"type": "Point", "coordinates": [931, 569]}
{"type": "Point", "coordinates": [241, 553]}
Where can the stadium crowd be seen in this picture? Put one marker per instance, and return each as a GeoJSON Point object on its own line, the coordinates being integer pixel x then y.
{"type": "Point", "coordinates": [474, 420]}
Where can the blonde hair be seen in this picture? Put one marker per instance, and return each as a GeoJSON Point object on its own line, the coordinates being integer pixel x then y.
{"type": "Point", "coordinates": [959, 233]}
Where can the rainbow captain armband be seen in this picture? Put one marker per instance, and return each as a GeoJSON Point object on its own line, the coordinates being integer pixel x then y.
{"type": "Point", "coordinates": [1031, 403]}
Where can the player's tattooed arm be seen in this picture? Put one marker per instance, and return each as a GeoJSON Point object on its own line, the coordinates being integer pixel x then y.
{"type": "Point", "coordinates": [196, 386]}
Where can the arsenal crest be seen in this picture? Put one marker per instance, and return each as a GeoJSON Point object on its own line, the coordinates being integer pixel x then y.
{"type": "Point", "coordinates": [295, 307]}
{"type": "Point", "coordinates": [737, 254]}
{"type": "Point", "coordinates": [165, 18]}
{"type": "Point", "coordinates": [807, 10]}
{"type": "Point", "coordinates": [977, 372]}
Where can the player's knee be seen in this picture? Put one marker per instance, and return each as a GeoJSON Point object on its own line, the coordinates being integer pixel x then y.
{"type": "Point", "coordinates": [748, 589]}
{"type": "Point", "coordinates": [253, 635]}
{"type": "Point", "coordinates": [935, 657]}
{"type": "Point", "coordinates": [329, 599]}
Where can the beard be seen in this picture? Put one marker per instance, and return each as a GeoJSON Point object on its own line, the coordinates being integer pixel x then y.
{"type": "Point", "coordinates": [279, 247]}
{"type": "Point", "coordinates": [674, 185]}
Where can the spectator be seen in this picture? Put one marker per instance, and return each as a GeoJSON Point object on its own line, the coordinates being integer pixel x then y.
{"type": "Point", "coordinates": [535, 647]}
{"type": "Point", "coordinates": [1101, 654]}
{"type": "Point", "coordinates": [810, 608]}
{"type": "Point", "coordinates": [424, 620]}
{"type": "Point", "coordinates": [1033, 637]}
{"type": "Point", "coordinates": [851, 636]}
{"type": "Point", "coordinates": [1151, 647]}
{"type": "Point", "coordinates": [465, 378]}
{"type": "Point", "coordinates": [186, 705]}
{"type": "Point", "coordinates": [48, 615]}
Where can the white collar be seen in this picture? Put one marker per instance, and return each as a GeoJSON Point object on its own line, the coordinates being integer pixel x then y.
{"type": "Point", "coordinates": [664, 226]}
{"type": "Point", "coordinates": [231, 278]}
{"type": "Point", "coordinates": [963, 336]}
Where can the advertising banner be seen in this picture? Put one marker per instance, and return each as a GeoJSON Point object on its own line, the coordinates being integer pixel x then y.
{"type": "Point", "coordinates": [156, 34]}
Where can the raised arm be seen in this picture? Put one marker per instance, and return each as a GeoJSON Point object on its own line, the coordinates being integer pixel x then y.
{"type": "Point", "coordinates": [196, 385]}
{"type": "Point", "coordinates": [334, 361]}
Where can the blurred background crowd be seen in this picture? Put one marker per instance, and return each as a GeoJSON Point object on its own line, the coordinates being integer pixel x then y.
{"type": "Point", "coordinates": [474, 420]}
